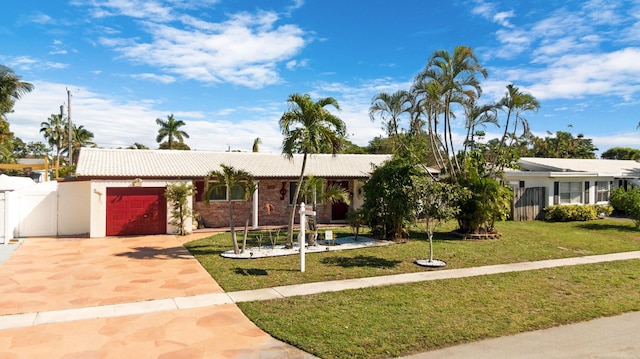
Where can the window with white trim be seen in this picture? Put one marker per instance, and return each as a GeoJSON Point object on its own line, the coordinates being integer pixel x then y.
{"type": "Point", "coordinates": [602, 191]}
{"type": "Point", "coordinates": [571, 192]}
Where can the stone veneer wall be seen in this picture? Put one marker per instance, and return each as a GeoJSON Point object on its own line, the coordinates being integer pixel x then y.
{"type": "Point", "coordinates": [217, 213]}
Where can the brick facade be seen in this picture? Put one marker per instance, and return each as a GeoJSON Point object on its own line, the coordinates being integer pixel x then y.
{"type": "Point", "coordinates": [273, 207]}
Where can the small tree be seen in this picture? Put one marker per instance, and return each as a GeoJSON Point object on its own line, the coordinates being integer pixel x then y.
{"type": "Point", "coordinates": [312, 192]}
{"type": "Point", "coordinates": [437, 204]}
{"type": "Point", "coordinates": [178, 195]}
{"type": "Point", "coordinates": [227, 179]}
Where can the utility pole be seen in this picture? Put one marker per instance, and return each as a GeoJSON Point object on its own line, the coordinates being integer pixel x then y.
{"type": "Point", "coordinates": [70, 126]}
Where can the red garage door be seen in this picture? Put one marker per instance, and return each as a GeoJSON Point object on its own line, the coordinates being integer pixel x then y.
{"type": "Point", "coordinates": [136, 210]}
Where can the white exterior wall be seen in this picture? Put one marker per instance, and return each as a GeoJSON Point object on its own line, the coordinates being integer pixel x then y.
{"type": "Point", "coordinates": [98, 203]}
{"type": "Point", "coordinates": [74, 215]}
{"type": "Point", "coordinates": [358, 195]}
{"type": "Point", "coordinates": [547, 182]}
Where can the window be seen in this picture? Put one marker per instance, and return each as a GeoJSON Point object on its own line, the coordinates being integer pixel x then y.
{"type": "Point", "coordinates": [307, 198]}
{"type": "Point", "coordinates": [602, 191]}
{"type": "Point", "coordinates": [570, 192]}
{"type": "Point", "coordinates": [220, 193]}
{"type": "Point", "coordinates": [292, 191]}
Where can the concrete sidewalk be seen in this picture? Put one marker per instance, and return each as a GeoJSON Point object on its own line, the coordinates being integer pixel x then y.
{"type": "Point", "coordinates": [608, 337]}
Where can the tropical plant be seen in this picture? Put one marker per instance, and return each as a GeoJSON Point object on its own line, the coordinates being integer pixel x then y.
{"type": "Point", "coordinates": [227, 179]}
{"type": "Point", "coordinates": [178, 195]}
{"type": "Point", "coordinates": [308, 128]}
{"type": "Point", "coordinates": [81, 137]}
{"type": "Point", "coordinates": [356, 220]}
{"type": "Point", "coordinates": [564, 145]}
{"type": "Point", "coordinates": [386, 207]}
{"type": "Point", "coordinates": [621, 153]}
{"type": "Point", "coordinates": [138, 146]}
{"type": "Point", "coordinates": [449, 79]}
{"type": "Point", "coordinates": [256, 144]}
{"type": "Point", "coordinates": [54, 133]}
{"type": "Point", "coordinates": [312, 192]}
{"type": "Point", "coordinates": [388, 108]}
{"type": "Point", "coordinates": [11, 89]}
{"type": "Point", "coordinates": [514, 104]}
{"type": "Point", "coordinates": [170, 129]}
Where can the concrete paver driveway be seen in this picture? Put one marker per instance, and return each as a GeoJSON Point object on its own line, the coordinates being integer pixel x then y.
{"type": "Point", "coordinates": [47, 274]}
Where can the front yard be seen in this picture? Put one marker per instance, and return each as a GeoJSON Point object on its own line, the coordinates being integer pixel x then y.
{"type": "Point", "coordinates": [384, 322]}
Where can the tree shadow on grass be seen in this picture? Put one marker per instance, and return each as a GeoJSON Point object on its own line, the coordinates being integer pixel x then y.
{"type": "Point", "coordinates": [157, 253]}
{"type": "Point", "coordinates": [360, 261]}
{"type": "Point", "coordinates": [203, 250]}
{"type": "Point", "coordinates": [251, 271]}
{"type": "Point", "coordinates": [623, 227]}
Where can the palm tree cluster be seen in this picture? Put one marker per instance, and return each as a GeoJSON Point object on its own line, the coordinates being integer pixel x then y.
{"type": "Point", "coordinates": [55, 131]}
{"type": "Point", "coordinates": [448, 85]}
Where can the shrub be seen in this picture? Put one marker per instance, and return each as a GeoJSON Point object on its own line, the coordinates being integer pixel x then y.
{"type": "Point", "coordinates": [628, 202]}
{"type": "Point", "coordinates": [576, 212]}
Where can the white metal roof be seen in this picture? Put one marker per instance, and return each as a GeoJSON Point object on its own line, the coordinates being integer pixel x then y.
{"type": "Point", "coordinates": [100, 163]}
{"type": "Point", "coordinates": [616, 168]}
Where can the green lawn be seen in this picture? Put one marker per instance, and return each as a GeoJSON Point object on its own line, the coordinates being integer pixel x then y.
{"type": "Point", "coordinates": [383, 322]}
{"type": "Point", "coordinates": [522, 241]}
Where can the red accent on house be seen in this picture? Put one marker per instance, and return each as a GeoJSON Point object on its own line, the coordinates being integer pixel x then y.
{"type": "Point", "coordinates": [136, 211]}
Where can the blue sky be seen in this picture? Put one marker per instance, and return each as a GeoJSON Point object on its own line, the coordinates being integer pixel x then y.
{"type": "Point", "coordinates": [226, 67]}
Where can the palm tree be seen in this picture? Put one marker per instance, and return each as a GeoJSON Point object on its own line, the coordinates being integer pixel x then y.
{"type": "Point", "coordinates": [54, 133]}
{"type": "Point", "coordinates": [81, 138]}
{"type": "Point", "coordinates": [256, 143]}
{"type": "Point", "coordinates": [229, 178]}
{"type": "Point", "coordinates": [514, 103]}
{"type": "Point", "coordinates": [308, 128]}
{"type": "Point", "coordinates": [312, 192]}
{"type": "Point", "coordinates": [170, 129]}
{"type": "Point", "coordinates": [137, 146]}
{"type": "Point", "coordinates": [456, 74]}
{"type": "Point", "coordinates": [389, 107]}
{"type": "Point", "coordinates": [11, 89]}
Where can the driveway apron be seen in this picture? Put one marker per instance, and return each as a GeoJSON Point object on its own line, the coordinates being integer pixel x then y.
{"type": "Point", "coordinates": [52, 274]}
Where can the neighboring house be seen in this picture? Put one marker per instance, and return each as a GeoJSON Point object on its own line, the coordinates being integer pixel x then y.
{"type": "Point", "coordinates": [574, 181]}
{"type": "Point", "coordinates": [121, 191]}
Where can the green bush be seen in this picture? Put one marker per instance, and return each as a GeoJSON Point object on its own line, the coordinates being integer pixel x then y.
{"type": "Point", "coordinates": [576, 212]}
{"type": "Point", "coordinates": [628, 202]}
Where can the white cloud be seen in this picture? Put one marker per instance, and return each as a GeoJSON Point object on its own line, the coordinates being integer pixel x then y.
{"type": "Point", "coordinates": [26, 63]}
{"type": "Point", "coordinates": [243, 50]}
{"type": "Point", "coordinates": [488, 11]}
{"type": "Point", "coordinates": [165, 79]}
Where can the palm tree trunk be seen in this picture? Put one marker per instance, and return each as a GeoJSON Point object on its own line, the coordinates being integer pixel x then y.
{"type": "Point", "coordinates": [292, 215]}
{"type": "Point", "coordinates": [236, 250]}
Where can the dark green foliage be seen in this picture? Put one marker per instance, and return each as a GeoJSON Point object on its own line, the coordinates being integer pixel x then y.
{"type": "Point", "coordinates": [387, 205]}
{"type": "Point", "coordinates": [489, 200]}
{"type": "Point", "coordinates": [620, 153]}
{"type": "Point", "coordinates": [576, 212]}
{"type": "Point", "coordinates": [628, 202]}
{"type": "Point", "coordinates": [563, 145]}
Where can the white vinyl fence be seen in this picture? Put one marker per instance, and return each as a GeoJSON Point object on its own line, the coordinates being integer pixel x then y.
{"type": "Point", "coordinates": [29, 212]}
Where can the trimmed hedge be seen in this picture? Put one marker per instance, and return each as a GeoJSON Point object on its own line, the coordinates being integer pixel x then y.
{"type": "Point", "coordinates": [576, 212]}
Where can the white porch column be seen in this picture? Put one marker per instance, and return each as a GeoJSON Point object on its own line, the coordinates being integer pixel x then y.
{"type": "Point", "coordinates": [256, 205]}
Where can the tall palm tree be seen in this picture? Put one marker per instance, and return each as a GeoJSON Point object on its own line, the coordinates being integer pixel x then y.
{"type": "Point", "coordinates": [11, 89]}
{"type": "Point", "coordinates": [308, 128]}
{"type": "Point", "coordinates": [514, 103]}
{"type": "Point", "coordinates": [228, 178]}
{"type": "Point", "coordinates": [54, 133]}
{"type": "Point", "coordinates": [170, 129]}
{"type": "Point", "coordinates": [457, 75]}
{"type": "Point", "coordinates": [389, 108]}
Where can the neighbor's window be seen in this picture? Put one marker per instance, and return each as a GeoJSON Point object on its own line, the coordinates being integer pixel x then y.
{"type": "Point", "coordinates": [602, 191]}
{"type": "Point", "coordinates": [570, 192]}
{"type": "Point", "coordinates": [220, 193]}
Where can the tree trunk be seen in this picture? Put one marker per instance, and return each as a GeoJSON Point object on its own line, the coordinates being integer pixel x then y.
{"type": "Point", "coordinates": [292, 215]}
{"type": "Point", "coordinates": [236, 250]}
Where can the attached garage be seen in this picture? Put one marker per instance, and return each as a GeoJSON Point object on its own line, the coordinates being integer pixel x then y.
{"type": "Point", "coordinates": [136, 211]}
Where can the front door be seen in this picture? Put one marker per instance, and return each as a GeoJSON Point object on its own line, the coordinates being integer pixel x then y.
{"type": "Point", "coordinates": [339, 210]}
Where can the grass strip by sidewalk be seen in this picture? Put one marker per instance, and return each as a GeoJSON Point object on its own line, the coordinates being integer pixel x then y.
{"type": "Point", "coordinates": [521, 241]}
{"type": "Point", "coordinates": [384, 322]}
